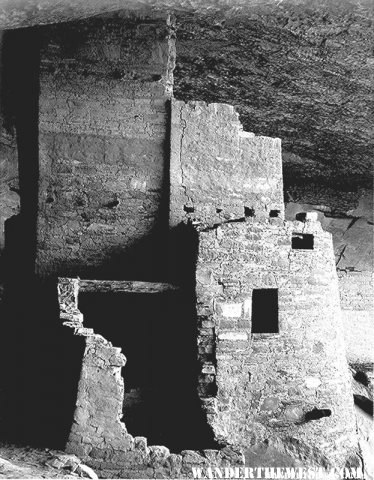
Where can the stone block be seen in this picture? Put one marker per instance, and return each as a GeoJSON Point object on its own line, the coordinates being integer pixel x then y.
{"type": "Point", "coordinates": [233, 336]}
{"type": "Point", "coordinates": [247, 307]}
{"type": "Point", "coordinates": [270, 404]}
{"type": "Point", "coordinates": [312, 382]}
{"type": "Point", "coordinates": [140, 443]}
{"type": "Point", "coordinates": [213, 457]}
{"type": "Point", "coordinates": [293, 413]}
{"type": "Point", "coordinates": [233, 455]}
{"type": "Point", "coordinates": [209, 369]}
{"type": "Point", "coordinates": [158, 455]}
{"type": "Point", "coordinates": [191, 457]}
{"type": "Point", "coordinates": [229, 310]}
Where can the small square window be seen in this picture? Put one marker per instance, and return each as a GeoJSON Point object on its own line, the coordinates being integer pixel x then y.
{"type": "Point", "coordinates": [302, 241]}
{"type": "Point", "coordinates": [274, 213]}
{"type": "Point", "coordinates": [249, 212]}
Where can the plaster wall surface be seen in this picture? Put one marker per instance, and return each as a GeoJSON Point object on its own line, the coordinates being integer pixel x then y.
{"type": "Point", "coordinates": [104, 89]}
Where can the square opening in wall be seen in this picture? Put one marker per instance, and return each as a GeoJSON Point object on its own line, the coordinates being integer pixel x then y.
{"type": "Point", "coordinates": [302, 241]}
{"type": "Point", "coordinates": [249, 212]}
{"type": "Point", "coordinates": [265, 310]}
{"type": "Point", "coordinates": [274, 213]}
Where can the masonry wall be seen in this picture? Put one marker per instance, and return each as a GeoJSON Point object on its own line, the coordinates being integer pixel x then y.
{"type": "Point", "coordinates": [261, 386]}
{"type": "Point", "coordinates": [356, 296]}
{"type": "Point", "coordinates": [217, 171]}
{"type": "Point", "coordinates": [104, 90]}
{"type": "Point", "coordinates": [352, 234]}
{"type": "Point", "coordinates": [98, 436]}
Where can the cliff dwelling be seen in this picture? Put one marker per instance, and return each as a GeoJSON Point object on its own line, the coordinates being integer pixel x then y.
{"type": "Point", "coordinates": [186, 246]}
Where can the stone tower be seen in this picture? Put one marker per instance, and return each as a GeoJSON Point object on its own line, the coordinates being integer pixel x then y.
{"type": "Point", "coordinates": [273, 365]}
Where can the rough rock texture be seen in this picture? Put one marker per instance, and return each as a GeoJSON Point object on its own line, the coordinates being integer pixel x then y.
{"type": "Point", "coordinates": [9, 184]}
{"type": "Point", "coordinates": [363, 394]}
{"type": "Point", "coordinates": [101, 191]}
{"type": "Point", "coordinates": [27, 462]}
{"type": "Point", "coordinates": [301, 74]}
{"type": "Point", "coordinates": [22, 13]}
{"type": "Point", "coordinates": [9, 198]}
{"type": "Point", "coordinates": [102, 132]}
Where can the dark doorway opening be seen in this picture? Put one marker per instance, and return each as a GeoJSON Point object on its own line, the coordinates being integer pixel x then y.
{"type": "Point", "coordinates": [157, 335]}
{"type": "Point", "coordinates": [265, 310]}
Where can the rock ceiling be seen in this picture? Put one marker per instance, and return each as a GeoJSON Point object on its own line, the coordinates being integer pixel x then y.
{"type": "Point", "coordinates": [300, 70]}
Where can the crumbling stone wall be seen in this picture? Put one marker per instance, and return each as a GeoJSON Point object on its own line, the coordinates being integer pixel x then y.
{"type": "Point", "coordinates": [98, 436]}
{"type": "Point", "coordinates": [104, 92]}
{"type": "Point", "coordinates": [217, 171]}
{"type": "Point", "coordinates": [290, 389]}
{"type": "Point", "coordinates": [268, 384]}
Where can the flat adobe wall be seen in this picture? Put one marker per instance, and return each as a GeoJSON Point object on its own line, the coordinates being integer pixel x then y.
{"type": "Point", "coordinates": [104, 90]}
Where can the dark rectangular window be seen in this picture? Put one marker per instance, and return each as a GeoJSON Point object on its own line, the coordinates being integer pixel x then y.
{"type": "Point", "coordinates": [302, 241]}
{"type": "Point", "coordinates": [265, 310]}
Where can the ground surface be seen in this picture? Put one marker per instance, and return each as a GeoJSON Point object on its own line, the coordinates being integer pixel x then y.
{"type": "Point", "coordinates": [28, 462]}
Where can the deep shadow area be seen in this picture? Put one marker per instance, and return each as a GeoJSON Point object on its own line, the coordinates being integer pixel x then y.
{"type": "Point", "coordinates": [40, 360]}
{"type": "Point", "coordinates": [317, 413]}
{"type": "Point", "coordinates": [302, 241]}
{"type": "Point", "coordinates": [157, 335]}
{"type": "Point", "coordinates": [364, 403]}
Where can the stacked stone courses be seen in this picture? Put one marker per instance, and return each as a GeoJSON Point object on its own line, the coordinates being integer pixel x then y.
{"type": "Point", "coordinates": [228, 183]}
{"type": "Point", "coordinates": [102, 131]}
{"type": "Point", "coordinates": [271, 381]}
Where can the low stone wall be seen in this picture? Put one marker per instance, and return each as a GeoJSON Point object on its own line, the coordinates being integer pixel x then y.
{"type": "Point", "coordinates": [98, 436]}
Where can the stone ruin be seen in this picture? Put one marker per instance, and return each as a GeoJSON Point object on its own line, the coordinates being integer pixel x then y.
{"type": "Point", "coordinates": [142, 194]}
{"type": "Point", "coordinates": [121, 160]}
